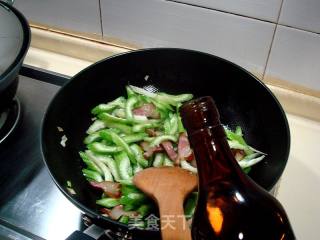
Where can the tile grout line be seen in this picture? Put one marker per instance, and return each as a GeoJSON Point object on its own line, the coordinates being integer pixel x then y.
{"type": "Point", "coordinates": [246, 16]}
{"type": "Point", "coordinates": [299, 28]}
{"type": "Point", "coordinates": [100, 16]}
{"type": "Point", "coordinates": [272, 41]}
{"type": "Point", "coordinates": [252, 18]}
{"type": "Point", "coordinates": [221, 11]}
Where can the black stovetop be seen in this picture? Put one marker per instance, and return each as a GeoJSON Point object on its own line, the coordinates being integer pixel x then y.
{"type": "Point", "coordinates": [31, 206]}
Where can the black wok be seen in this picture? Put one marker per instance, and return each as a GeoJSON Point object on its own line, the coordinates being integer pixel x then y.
{"type": "Point", "coordinates": [15, 38]}
{"type": "Point", "coordinates": [241, 98]}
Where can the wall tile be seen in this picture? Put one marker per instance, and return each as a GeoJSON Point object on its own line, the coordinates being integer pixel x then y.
{"type": "Point", "coordinates": [76, 15]}
{"type": "Point", "coordinates": [304, 14]}
{"type": "Point", "coordinates": [153, 23]}
{"type": "Point", "coordinates": [295, 57]}
{"type": "Point", "coordinates": [261, 9]}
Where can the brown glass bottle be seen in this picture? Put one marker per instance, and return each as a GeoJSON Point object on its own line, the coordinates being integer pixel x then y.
{"type": "Point", "coordinates": [230, 205]}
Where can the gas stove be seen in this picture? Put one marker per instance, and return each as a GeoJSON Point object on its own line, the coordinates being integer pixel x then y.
{"type": "Point", "coordinates": [31, 206]}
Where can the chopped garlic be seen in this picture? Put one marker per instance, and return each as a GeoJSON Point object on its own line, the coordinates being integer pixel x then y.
{"type": "Point", "coordinates": [63, 141]}
{"type": "Point", "coordinates": [71, 191]}
{"type": "Point", "coordinates": [60, 129]}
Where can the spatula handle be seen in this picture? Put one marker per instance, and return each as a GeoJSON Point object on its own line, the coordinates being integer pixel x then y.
{"type": "Point", "coordinates": [173, 222]}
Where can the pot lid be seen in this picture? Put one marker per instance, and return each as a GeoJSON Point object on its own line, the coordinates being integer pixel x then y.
{"type": "Point", "coordinates": [14, 38]}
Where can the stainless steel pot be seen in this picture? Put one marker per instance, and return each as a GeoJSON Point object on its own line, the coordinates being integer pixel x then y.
{"type": "Point", "coordinates": [14, 43]}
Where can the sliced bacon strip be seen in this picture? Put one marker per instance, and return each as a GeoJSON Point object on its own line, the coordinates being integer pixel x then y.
{"type": "Point", "coordinates": [191, 157]}
{"type": "Point", "coordinates": [184, 149]}
{"type": "Point", "coordinates": [111, 189]}
{"type": "Point", "coordinates": [147, 110]}
{"type": "Point", "coordinates": [116, 212]}
{"type": "Point", "coordinates": [168, 147]}
{"type": "Point", "coordinates": [105, 211]}
{"type": "Point", "coordinates": [238, 154]}
{"type": "Point", "coordinates": [152, 151]}
{"type": "Point", "coordinates": [149, 151]}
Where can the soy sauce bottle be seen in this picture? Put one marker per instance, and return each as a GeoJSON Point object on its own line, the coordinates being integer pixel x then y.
{"type": "Point", "coordinates": [230, 205]}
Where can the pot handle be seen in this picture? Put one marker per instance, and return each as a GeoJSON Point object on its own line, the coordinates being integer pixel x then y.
{"type": "Point", "coordinates": [9, 2]}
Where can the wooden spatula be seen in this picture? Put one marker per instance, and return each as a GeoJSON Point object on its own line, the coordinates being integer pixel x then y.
{"type": "Point", "coordinates": [168, 186]}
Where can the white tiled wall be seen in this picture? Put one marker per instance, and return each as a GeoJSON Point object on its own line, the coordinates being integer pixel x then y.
{"type": "Point", "coordinates": [295, 56]}
{"type": "Point", "coordinates": [76, 15]}
{"type": "Point", "coordinates": [304, 14]}
{"type": "Point", "coordinates": [275, 37]}
{"type": "Point", "coordinates": [152, 23]}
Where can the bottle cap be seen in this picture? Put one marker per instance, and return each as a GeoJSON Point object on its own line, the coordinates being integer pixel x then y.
{"type": "Point", "coordinates": [199, 113]}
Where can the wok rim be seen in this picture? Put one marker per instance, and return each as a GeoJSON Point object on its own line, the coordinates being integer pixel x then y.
{"type": "Point", "coordinates": [94, 214]}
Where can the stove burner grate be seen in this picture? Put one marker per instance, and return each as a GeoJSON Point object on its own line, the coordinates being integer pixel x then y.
{"type": "Point", "coordinates": [9, 119]}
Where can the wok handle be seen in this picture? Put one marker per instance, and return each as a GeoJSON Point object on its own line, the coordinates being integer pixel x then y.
{"type": "Point", "coordinates": [78, 235]}
{"type": "Point", "coordinates": [93, 232]}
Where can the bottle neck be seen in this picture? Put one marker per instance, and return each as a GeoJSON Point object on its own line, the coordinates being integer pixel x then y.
{"type": "Point", "coordinates": [208, 140]}
{"type": "Point", "coordinates": [214, 158]}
